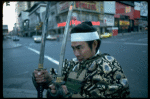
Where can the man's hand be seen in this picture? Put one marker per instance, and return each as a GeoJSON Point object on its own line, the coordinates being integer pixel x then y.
{"type": "Point", "coordinates": [41, 77]}
{"type": "Point", "coordinates": [57, 90]}
{"type": "Point", "coordinates": [53, 89]}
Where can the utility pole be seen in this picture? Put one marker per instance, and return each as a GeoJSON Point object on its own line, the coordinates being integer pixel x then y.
{"type": "Point", "coordinates": [15, 28]}
{"type": "Point", "coordinates": [80, 11]}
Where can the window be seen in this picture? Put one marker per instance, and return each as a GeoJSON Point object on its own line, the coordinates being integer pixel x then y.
{"type": "Point", "coordinates": [64, 18]}
{"type": "Point", "coordinates": [83, 17]}
{"type": "Point", "coordinates": [52, 13]}
{"type": "Point", "coordinates": [87, 17]}
{"type": "Point", "coordinates": [90, 17]}
{"type": "Point", "coordinates": [95, 18]}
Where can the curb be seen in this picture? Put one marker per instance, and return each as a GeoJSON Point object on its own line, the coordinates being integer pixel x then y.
{"type": "Point", "coordinates": [16, 46]}
{"type": "Point", "coordinates": [10, 44]}
{"type": "Point", "coordinates": [131, 33]}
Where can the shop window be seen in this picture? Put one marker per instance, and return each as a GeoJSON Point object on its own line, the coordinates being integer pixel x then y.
{"type": "Point", "coordinates": [83, 17]}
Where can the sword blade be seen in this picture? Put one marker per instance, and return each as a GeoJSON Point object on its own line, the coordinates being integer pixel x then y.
{"type": "Point", "coordinates": [62, 54]}
{"type": "Point", "coordinates": [41, 57]}
{"type": "Point", "coordinates": [44, 32]}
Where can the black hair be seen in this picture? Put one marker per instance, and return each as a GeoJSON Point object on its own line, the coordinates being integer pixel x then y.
{"type": "Point", "coordinates": [86, 27]}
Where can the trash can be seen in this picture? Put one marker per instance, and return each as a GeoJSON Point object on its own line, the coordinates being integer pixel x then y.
{"type": "Point", "coordinates": [115, 31]}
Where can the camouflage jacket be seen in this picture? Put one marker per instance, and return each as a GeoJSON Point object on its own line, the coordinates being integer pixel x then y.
{"type": "Point", "coordinates": [100, 76]}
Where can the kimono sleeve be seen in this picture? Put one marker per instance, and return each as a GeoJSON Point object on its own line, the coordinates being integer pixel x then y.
{"type": "Point", "coordinates": [110, 80]}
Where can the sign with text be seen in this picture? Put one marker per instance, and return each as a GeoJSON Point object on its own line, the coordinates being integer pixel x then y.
{"type": "Point", "coordinates": [127, 9]}
{"type": "Point", "coordinates": [124, 22]}
{"type": "Point", "coordinates": [86, 5]}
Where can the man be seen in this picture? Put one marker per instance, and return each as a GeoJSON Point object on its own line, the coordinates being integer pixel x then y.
{"type": "Point", "coordinates": [91, 74]}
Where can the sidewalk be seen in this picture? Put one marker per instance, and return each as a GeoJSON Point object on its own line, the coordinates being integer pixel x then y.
{"type": "Point", "coordinates": [131, 33]}
{"type": "Point", "coordinates": [20, 93]}
{"type": "Point", "coordinates": [9, 43]}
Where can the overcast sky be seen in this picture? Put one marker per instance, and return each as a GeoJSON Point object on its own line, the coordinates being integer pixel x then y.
{"type": "Point", "coordinates": [9, 15]}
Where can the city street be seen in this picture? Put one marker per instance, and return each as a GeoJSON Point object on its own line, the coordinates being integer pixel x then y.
{"type": "Point", "coordinates": [131, 51]}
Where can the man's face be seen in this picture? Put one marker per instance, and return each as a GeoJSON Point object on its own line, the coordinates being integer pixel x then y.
{"type": "Point", "coordinates": [82, 51]}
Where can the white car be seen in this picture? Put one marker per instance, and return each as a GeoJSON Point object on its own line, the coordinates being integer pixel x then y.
{"type": "Point", "coordinates": [15, 38]}
{"type": "Point", "coordinates": [49, 37]}
{"type": "Point", "coordinates": [37, 39]}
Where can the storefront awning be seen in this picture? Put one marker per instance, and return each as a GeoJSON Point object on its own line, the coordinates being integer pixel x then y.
{"type": "Point", "coordinates": [76, 22]}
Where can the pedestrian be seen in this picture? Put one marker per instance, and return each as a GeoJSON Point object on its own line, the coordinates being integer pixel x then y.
{"type": "Point", "coordinates": [91, 74]}
{"type": "Point", "coordinates": [58, 38]}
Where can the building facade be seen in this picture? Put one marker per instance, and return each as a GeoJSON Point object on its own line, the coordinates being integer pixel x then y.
{"type": "Point", "coordinates": [36, 19]}
{"type": "Point", "coordinates": [124, 17]}
{"type": "Point", "coordinates": [83, 11]}
{"type": "Point", "coordinates": [143, 20]}
{"type": "Point", "coordinates": [22, 18]}
{"type": "Point", "coordinates": [5, 30]}
{"type": "Point", "coordinates": [127, 16]}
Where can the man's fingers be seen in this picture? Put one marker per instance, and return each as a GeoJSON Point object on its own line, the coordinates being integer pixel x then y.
{"type": "Point", "coordinates": [65, 89]}
{"type": "Point", "coordinates": [40, 80]}
{"type": "Point", "coordinates": [52, 87]}
{"type": "Point", "coordinates": [53, 91]}
{"type": "Point", "coordinates": [41, 72]}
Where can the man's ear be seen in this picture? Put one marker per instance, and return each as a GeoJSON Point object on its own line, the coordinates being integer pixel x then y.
{"type": "Point", "coordinates": [95, 43]}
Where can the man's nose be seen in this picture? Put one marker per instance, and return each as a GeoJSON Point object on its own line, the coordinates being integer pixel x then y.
{"type": "Point", "coordinates": [76, 53]}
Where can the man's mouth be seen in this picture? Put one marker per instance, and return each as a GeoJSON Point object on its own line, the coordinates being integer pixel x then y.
{"type": "Point", "coordinates": [80, 60]}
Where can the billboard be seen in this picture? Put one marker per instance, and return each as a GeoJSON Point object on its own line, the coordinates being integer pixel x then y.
{"type": "Point", "coordinates": [136, 10]}
{"type": "Point", "coordinates": [144, 8]}
{"type": "Point", "coordinates": [109, 7]}
{"type": "Point", "coordinates": [109, 20]}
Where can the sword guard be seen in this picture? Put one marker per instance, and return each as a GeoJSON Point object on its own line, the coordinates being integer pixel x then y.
{"type": "Point", "coordinates": [59, 80]}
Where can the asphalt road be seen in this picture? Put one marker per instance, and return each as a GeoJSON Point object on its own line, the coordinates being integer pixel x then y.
{"type": "Point", "coordinates": [131, 51]}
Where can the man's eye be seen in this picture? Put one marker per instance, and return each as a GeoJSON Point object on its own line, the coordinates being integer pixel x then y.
{"type": "Point", "coordinates": [78, 47]}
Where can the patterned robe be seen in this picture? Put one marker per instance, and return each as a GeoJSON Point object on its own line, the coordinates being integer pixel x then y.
{"type": "Point", "coordinates": [100, 76]}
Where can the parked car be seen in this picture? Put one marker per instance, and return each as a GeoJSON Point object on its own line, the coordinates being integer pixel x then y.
{"type": "Point", "coordinates": [106, 35]}
{"type": "Point", "coordinates": [9, 37]}
{"type": "Point", "coordinates": [50, 37]}
{"type": "Point", "coordinates": [15, 38]}
{"type": "Point", "coordinates": [37, 39]}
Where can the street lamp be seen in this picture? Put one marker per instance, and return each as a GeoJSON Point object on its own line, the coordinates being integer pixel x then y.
{"type": "Point", "coordinates": [35, 30]}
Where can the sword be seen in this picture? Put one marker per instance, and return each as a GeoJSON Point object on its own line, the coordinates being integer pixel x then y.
{"type": "Point", "coordinates": [59, 80]}
{"type": "Point", "coordinates": [41, 58]}
{"type": "Point", "coordinates": [62, 53]}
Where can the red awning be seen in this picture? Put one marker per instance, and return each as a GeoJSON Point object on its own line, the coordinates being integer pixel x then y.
{"type": "Point", "coordinates": [61, 24]}
{"type": "Point", "coordinates": [95, 23]}
{"type": "Point", "coordinates": [76, 22]}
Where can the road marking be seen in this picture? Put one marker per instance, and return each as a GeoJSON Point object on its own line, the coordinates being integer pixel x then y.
{"type": "Point", "coordinates": [45, 56]}
{"type": "Point", "coordinates": [142, 39]}
{"type": "Point", "coordinates": [136, 44]}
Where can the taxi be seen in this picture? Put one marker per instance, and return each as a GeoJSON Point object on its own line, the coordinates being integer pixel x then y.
{"type": "Point", "coordinates": [105, 35]}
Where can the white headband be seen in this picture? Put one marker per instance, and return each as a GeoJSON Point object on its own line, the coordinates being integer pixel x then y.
{"type": "Point", "coordinates": [90, 36]}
